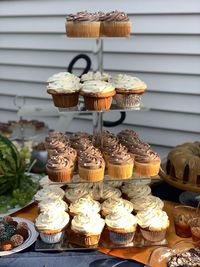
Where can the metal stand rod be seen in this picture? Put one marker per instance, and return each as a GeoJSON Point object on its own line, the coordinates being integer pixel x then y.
{"type": "Point", "coordinates": [99, 52]}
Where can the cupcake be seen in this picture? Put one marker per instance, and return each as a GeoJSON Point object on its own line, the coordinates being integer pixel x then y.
{"type": "Point", "coordinates": [52, 204]}
{"type": "Point", "coordinates": [111, 205]}
{"type": "Point", "coordinates": [120, 164]}
{"type": "Point", "coordinates": [153, 224]}
{"type": "Point", "coordinates": [115, 24]}
{"type": "Point", "coordinates": [51, 192]}
{"type": "Point", "coordinates": [65, 91]}
{"type": "Point", "coordinates": [45, 182]}
{"type": "Point", "coordinates": [55, 140]}
{"type": "Point", "coordinates": [86, 229]}
{"type": "Point", "coordinates": [51, 225]}
{"type": "Point", "coordinates": [128, 91]}
{"type": "Point", "coordinates": [83, 24]}
{"type": "Point", "coordinates": [144, 203]}
{"type": "Point", "coordinates": [73, 194]}
{"type": "Point", "coordinates": [60, 169]}
{"type": "Point", "coordinates": [97, 76]}
{"type": "Point", "coordinates": [101, 194]}
{"type": "Point", "coordinates": [85, 205]}
{"type": "Point", "coordinates": [97, 95]}
{"type": "Point", "coordinates": [91, 167]}
{"type": "Point", "coordinates": [135, 191]}
{"type": "Point", "coordinates": [121, 226]}
{"type": "Point", "coordinates": [66, 152]}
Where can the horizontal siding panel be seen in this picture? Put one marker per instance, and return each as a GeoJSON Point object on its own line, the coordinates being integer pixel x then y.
{"type": "Point", "coordinates": [168, 44]}
{"type": "Point", "coordinates": [159, 119]}
{"type": "Point", "coordinates": [186, 64]}
{"type": "Point", "coordinates": [165, 24]}
{"type": "Point", "coordinates": [6, 115]}
{"type": "Point", "coordinates": [27, 8]}
{"type": "Point", "coordinates": [13, 78]}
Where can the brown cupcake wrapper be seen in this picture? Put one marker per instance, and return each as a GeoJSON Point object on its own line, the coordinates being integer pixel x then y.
{"type": "Point", "coordinates": [84, 240]}
{"type": "Point", "coordinates": [120, 171]}
{"type": "Point", "coordinates": [147, 169]}
{"type": "Point", "coordinates": [115, 29]}
{"type": "Point", "coordinates": [64, 175]}
{"type": "Point", "coordinates": [153, 236]}
{"type": "Point", "coordinates": [65, 100]}
{"type": "Point", "coordinates": [82, 29]}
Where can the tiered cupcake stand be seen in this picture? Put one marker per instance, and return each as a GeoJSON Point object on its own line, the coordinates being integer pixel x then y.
{"type": "Point", "coordinates": [138, 241]}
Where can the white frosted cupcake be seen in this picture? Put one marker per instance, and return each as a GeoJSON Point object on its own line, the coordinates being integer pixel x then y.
{"type": "Point", "coordinates": [64, 90]}
{"type": "Point", "coordinates": [122, 227]}
{"type": "Point", "coordinates": [116, 184]}
{"type": "Point", "coordinates": [105, 193]}
{"type": "Point", "coordinates": [45, 182]}
{"type": "Point", "coordinates": [72, 194]}
{"type": "Point", "coordinates": [51, 225]}
{"type": "Point", "coordinates": [84, 205]}
{"type": "Point", "coordinates": [51, 192]}
{"type": "Point", "coordinates": [52, 204]}
{"type": "Point", "coordinates": [128, 90]}
{"type": "Point", "coordinates": [86, 229]}
{"type": "Point", "coordinates": [135, 191]}
{"type": "Point", "coordinates": [97, 95]}
{"type": "Point", "coordinates": [149, 201]}
{"type": "Point", "coordinates": [153, 224]}
{"type": "Point", "coordinates": [111, 205]}
{"type": "Point", "coordinates": [97, 76]}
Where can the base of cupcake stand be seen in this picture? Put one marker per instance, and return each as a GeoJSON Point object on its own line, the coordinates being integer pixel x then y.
{"type": "Point", "coordinates": [66, 244]}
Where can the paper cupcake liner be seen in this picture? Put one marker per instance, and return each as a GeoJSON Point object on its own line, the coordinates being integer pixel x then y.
{"type": "Point", "coordinates": [91, 175]}
{"type": "Point", "coordinates": [120, 171]}
{"type": "Point", "coordinates": [83, 29]}
{"type": "Point", "coordinates": [83, 239]}
{"type": "Point", "coordinates": [121, 238]}
{"type": "Point", "coordinates": [128, 101]}
{"type": "Point", "coordinates": [65, 100]}
{"type": "Point", "coordinates": [115, 29]}
{"type": "Point", "coordinates": [64, 175]}
{"type": "Point", "coordinates": [153, 236]}
{"type": "Point", "coordinates": [95, 103]}
{"type": "Point", "coordinates": [52, 238]}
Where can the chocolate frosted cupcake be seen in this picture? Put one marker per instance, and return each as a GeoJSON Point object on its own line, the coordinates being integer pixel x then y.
{"type": "Point", "coordinates": [120, 163]}
{"type": "Point", "coordinates": [83, 24]}
{"type": "Point", "coordinates": [66, 152]}
{"type": "Point", "coordinates": [115, 24]}
{"type": "Point", "coordinates": [59, 169]}
{"type": "Point", "coordinates": [91, 167]}
{"type": "Point", "coordinates": [55, 140]}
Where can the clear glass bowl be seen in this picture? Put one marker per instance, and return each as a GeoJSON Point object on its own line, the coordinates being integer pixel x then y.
{"type": "Point", "coordinates": [160, 256]}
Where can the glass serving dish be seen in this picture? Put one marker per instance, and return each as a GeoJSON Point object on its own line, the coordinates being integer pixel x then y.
{"type": "Point", "coordinates": [161, 256]}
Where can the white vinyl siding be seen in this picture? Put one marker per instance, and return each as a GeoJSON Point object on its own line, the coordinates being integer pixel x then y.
{"type": "Point", "coordinates": [164, 51]}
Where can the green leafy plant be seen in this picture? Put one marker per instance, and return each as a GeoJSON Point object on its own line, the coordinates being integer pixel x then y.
{"type": "Point", "coordinates": [16, 187]}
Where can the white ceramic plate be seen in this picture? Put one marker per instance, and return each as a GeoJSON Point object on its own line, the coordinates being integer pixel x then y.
{"type": "Point", "coordinates": [33, 234]}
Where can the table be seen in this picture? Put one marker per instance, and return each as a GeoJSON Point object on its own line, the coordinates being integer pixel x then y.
{"type": "Point", "coordinates": [94, 258]}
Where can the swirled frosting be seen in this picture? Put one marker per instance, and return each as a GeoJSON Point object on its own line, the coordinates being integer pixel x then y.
{"type": "Point", "coordinates": [127, 82]}
{"type": "Point", "coordinates": [93, 224]}
{"type": "Point", "coordinates": [51, 205]}
{"type": "Point", "coordinates": [147, 156]}
{"type": "Point", "coordinates": [136, 191]}
{"type": "Point", "coordinates": [91, 161]}
{"type": "Point", "coordinates": [50, 192]}
{"type": "Point", "coordinates": [120, 156]}
{"type": "Point", "coordinates": [92, 87]}
{"type": "Point", "coordinates": [123, 219]}
{"type": "Point", "coordinates": [55, 143]}
{"type": "Point", "coordinates": [67, 152]}
{"type": "Point", "coordinates": [95, 76]}
{"type": "Point", "coordinates": [110, 144]}
{"type": "Point", "coordinates": [114, 183]}
{"type": "Point", "coordinates": [154, 219]}
{"type": "Point", "coordinates": [45, 182]}
{"type": "Point", "coordinates": [72, 194]}
{"type": "Point", "coordinates": [146, 202]}
{"type": "Point", "coordinates": [106, 192]}
{"type": "Point", "coordinates": [85, 16]}
{"type": "Point", "coordinates": [65, 86]}
{"type": "Point", "coordinates": [90, 150]}
{"type": "Point", "coordinates": [62, 76]}
{"type": "Point", "coordinates": [115, 16]}
{"type": "Point", "coordinates": [85, 205]}
{"type": "Point", "coordinates": [111, 205]}
{"type": "Point", "coordinates": [52, 220]}
{"type": "Point", "coordinates": [58, 163]}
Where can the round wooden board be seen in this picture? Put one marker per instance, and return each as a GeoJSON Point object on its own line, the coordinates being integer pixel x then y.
{"type": "Point", "coordinates": [172, 181]}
